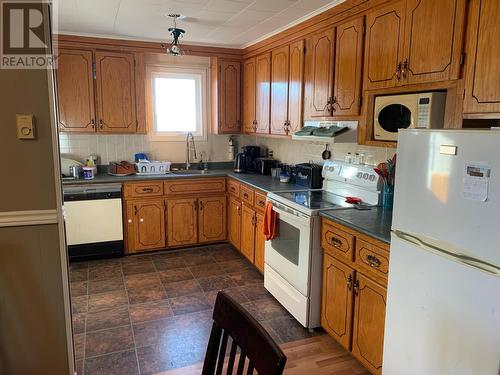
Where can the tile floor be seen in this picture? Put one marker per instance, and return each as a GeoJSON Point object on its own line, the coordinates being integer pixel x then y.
{"type": "Point", "coordinates": [149, 313]}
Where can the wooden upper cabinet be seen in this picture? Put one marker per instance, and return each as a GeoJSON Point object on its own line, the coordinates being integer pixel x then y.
{"type": "Point", "coordinates": [337, 300]}
{"type": "Point", "coordinates": [247, 245]}
{"type": "Point", "coordinates": [348, 68]}
{"type": "Point", "coordinates": [295, 86]}
{"type": "Point", "coordinates": [280, 65]}
{"type": "Point", "coordinates": [115, 82]}
{"type": "Point", "coordinates": [433, 40]}
{"type": "Point", "coordinates": [369, 322]}
{"type": "Point", "coordinates": [482, 85]}
{"type": "Point", "coordinates": [249, 96]}
{"type": "Point", "coordinates": [212, 219]}
{"type": "Point", "coordinates": [75, 89]}
{"type": "Point", "coordinates": [319, 80]}
{"type": "Point", "coordinates": [228, 97]}
{"type": "Point", "coordinates": [182, 221]}
{"type": "Point", "coordinates": [146, 221]}
{"type": "Point", "coordinates": [262, 93]}
{"type": "Point", "coordinates": [384, 39]}
{"type": "Point", "coordinates": [234, 222]}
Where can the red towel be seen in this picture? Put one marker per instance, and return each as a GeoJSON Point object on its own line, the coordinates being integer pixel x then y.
{"type": "Point", "coordinates": [270, 222]}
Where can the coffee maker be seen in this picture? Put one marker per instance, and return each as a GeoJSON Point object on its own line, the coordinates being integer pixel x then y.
{"type": "Point", "coordinates": [244, 161]}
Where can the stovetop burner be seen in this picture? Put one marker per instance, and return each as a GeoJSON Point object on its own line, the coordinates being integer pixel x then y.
{"type": "Point", "coordinates": [316, 199]}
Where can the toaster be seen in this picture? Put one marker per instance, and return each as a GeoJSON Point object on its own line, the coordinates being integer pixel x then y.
{"type": "Point", "coordinates": [309, 175]}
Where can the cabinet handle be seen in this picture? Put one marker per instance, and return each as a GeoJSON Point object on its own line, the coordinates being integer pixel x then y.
{"type": "Point", "coordinates": [201, 205]}
{"type": "Point", "coordinates": [349, 282]}
{"type": "Point", "coordinates": [130, 221]}
{"type": "Point", "coordinates": [398, 71]}
{"type": "Point", "coordinates": [196, 205]}
{"type": "Point", "coordinates": [261, 203]}
{"type": "Point", "coordinates": [356, 287]}
{"type": "Point", "coordinates": [333, 103]}
{"type": "Point", "coordinates": [141, 220]}
{"type": "Point", "coordinates": [329, 106]}
{"type": "Point", "coordinates": [404, 69]}
{"type": "Point", "coordinates": [373, 261]}
{"type": "Point", "coordinates": [147, 190]}
{"type": "Point", "coordinates": [100, 123]}
{"type": "Point", "coordinates": [285, 127]}
{"type": "Point", "coordinates": [135, 210]}
{"type": "Point", "coordinates": [245, 195]}
{"type": "Point", "coordinates": [335, 242]}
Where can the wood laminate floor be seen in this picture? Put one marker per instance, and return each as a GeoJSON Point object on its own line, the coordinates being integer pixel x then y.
{"type": "Point", "coordinates": [151, 313]}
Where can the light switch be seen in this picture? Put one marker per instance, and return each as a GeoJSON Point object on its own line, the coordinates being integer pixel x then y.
{"type": "Point", "coordinates": [25, 126]}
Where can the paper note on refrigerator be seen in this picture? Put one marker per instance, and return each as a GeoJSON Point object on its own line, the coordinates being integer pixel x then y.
{"type": "Point", "coordinates": [476, 181]}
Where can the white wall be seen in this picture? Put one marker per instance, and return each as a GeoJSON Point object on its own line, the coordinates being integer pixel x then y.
{"type": "Point", "coordinates": [293, 152]}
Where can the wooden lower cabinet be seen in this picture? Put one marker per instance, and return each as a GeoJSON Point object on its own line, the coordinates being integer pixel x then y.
{"type": "Point", "coordinates": [368, 322]}
{"type": "Point", "coordinates": [336, 316]}
{"type": "Point", "coordinates": [247, 247]}
{"type": "Point", "coordinates": [182, 221]}
{"type": "Point", "coordinates": [260, 241]}
{"type": "Point", "coordinates": [212, 219]}
{"type": "Point", "coordinates": [234, 222]}
{"type": "Point", "coordinates": [145, 225]}
{"type": "Point", "coordinates": [354, 298]}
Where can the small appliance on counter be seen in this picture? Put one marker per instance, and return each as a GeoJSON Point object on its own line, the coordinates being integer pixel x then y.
{"type": "Point", "coordinates": [309, 175]}
{"type": "Point", "coordinates": [121, 168]}
{"type": "Point", "coordinates": [264, 165]}
{"type": "Point", "coordinates": [244, 161]}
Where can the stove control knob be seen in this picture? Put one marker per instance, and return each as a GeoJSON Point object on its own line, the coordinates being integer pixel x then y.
{"type": "Point", "coordinates": [365, 176]}
{"type": "Point", "coordinates": [360, 175]}
{"type": "Point", "coordinates": [372, 177]}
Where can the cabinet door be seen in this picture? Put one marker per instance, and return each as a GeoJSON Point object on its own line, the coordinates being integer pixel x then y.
{"type": "Point", "coordinates": [212, 219]}
{"type": "Point", "coordinates": [182, 221]}
{"type": "Point", "coordinates": [319, 80]}
{"type": "Point", "coordinates": [482, 86]}
{"type": "Point", "coordinates": [148, 224]}
{"type": "Point", "coordinates": [279, 90]}
{"type": "Point", "coordinates": [295, 86]}
{"type": "Point", "coordinates": [229, 97]}
{"type": "Point", "coordinates": [337, 300]}
{"type": "Point", "coordinates": [234, 222]}
{"type": "Point", "coordinates": [115, 92]}
{"type": "Point", "coordinates": [348, 68]}
{"type": "Point", "coordinates": [384, 40]}
{"type": "Point", "coordinates": [75, 91]}
{"type": "Point", "coordinates": [262, 92]}
{"type": "Point", "coordinates": [369, 321]}
{"type": "Point", "coordinates": [249, 96]}
{"type": "Point", "coordinates": [260, 241]}
{"type": "Point", "coordinates": [433, 40]}
{"type": "Point", "coordinates": [248, 232]}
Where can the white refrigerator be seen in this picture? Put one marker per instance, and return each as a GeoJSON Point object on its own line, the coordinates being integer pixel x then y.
{"type": "Point", "coordinates": [443, 300]}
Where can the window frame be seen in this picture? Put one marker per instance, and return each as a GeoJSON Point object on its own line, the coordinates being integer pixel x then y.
{"type": "Point", "coordinates": [201, 72]}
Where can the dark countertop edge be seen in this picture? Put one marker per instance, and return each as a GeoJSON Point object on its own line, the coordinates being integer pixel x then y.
{"type": "Point", "coordinates": [248, 179]}
{"type": "Point", "coordinates": [330, 216]}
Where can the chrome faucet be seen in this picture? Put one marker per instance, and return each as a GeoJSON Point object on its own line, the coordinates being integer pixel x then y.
{"type": "Point", "coordinates": [190, 137]}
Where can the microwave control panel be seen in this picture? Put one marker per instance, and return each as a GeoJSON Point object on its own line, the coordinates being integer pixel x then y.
{"type": "Point", "coordinates": [423, 112]}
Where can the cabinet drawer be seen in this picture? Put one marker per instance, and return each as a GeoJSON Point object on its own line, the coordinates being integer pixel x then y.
{"type": "Point", "coordinates": [372, 259]}
{"type": "Point", "coordinates": [337, 242]}
{"type": "Point", "coordinates": [233, 188]}
{"type": "Point", "coordinates": [143, 189]}
{"type": "Point", "coordinates": [246, 194]}
{"type": "Point", "coordinates": [195, 186]}
{"type": "Point", "coordinates": [260, 201]}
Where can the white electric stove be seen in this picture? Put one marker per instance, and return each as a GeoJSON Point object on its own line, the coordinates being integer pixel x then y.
{"type": "Point", "coordinates": [293, 260]}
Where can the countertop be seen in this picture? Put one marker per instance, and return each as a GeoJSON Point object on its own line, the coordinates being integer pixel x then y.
{"type": "Point", "coordinates": [375, 223]}
{"type": "Point", "coordinates": [265, 183]}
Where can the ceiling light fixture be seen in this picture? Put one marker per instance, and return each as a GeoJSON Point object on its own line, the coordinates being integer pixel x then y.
{"type": "Point", "coordinates": [174, 48]}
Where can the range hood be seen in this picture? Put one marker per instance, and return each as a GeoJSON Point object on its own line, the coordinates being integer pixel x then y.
{"type": "Point", "coordinates": [328, 131]}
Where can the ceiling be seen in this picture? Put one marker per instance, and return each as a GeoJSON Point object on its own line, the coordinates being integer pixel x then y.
{"type": "Point", "coordinates": [229, 23]}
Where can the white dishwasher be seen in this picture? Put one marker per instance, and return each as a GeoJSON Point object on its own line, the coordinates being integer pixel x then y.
{"type": "Point", "coordinates": [94, 221]}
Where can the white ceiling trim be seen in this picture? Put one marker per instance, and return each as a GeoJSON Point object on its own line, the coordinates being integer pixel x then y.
{"type": "Point", "coordinates": [241, 46]}
{"type": "Point", "coordinates": [294, 23]}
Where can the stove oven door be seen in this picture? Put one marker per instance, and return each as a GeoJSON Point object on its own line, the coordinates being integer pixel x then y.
{"type": "Point", "coordinates": [289, 254]}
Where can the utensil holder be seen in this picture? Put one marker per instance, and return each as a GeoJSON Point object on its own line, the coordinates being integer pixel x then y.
{"type": "Point", "coordinates": [387, 196]}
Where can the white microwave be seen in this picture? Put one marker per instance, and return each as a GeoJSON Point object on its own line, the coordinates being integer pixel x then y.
{"type": "Point", "coordinates": [404, 111]}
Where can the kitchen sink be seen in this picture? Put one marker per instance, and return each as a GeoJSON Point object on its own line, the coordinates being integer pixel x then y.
{"type": "Point", "coordinates": [190, 172]}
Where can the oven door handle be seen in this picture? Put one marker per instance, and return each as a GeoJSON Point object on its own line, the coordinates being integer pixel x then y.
{"type": "Point", "coordinates": [291, 217]}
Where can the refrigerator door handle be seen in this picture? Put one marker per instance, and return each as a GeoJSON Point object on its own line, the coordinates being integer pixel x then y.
{"type": "Point", "coordinates": [449, 253]}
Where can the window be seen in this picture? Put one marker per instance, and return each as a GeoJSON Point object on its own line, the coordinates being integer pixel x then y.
{"type": "Point", "coordinates": [177, 102]}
